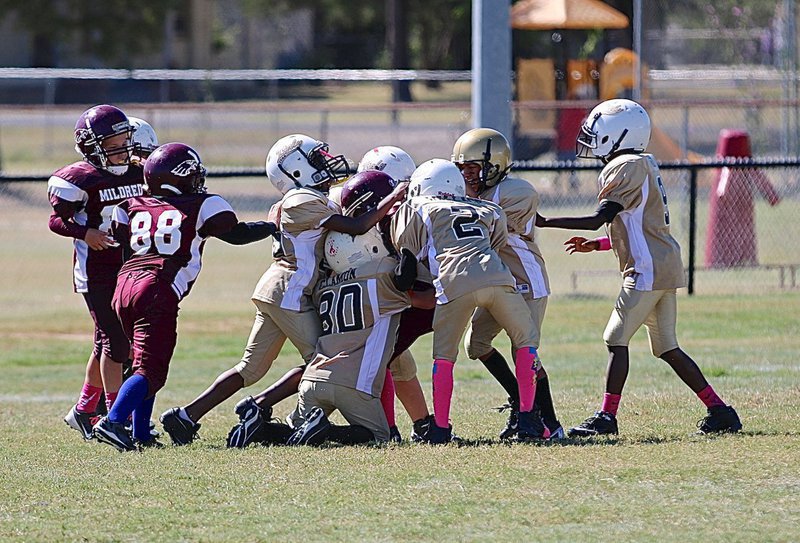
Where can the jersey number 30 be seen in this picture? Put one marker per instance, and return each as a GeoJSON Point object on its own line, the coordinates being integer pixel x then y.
{"type": "Point", "coordinates": [167, 235]}
{"type": "Point", "coordinates": [342, 313]}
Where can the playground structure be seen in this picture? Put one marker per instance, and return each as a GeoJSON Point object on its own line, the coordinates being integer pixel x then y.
{"type": "Point", "coordinates": [587, 82]}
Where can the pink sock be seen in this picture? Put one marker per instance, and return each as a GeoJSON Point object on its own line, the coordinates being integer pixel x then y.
{"type": "Point", "coordinates": [611, 403]}
{"type": "Point", "coordinates": [442, 391]}
{"type": "Point", "coordinates": [526, 364]}
{"type": "Point", "coordinates": [110, 397]}
{"type": "Point", "coordinates": [709, 397]}
{"type": "Point", "coordinates": [387, 399]}
{"type": "Point", "coordinates": [90, 396]}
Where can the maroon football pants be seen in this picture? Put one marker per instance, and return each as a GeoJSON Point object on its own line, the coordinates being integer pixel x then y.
{"type": "Point", "coordinates": [414, 322]}
{"type": "Point", "coordinates": [109, 338]}
{"type": "Point", "coordinates": [148, 310]}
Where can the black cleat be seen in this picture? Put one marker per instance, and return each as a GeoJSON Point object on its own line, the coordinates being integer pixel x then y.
{"type": "Point", "coordinates": [720, 419]}
{"type": "Point", "coordinates": [251, 421]}
{"type": "Point", "coordinates": [420, 428]}
{"type": "Point", "coordinates": [601, 423]}
{"type": "Point", "coordinates": [151, 443]}
{"type": "Point", "coordinates": [181, 430]}
{"type": "Point", "coordinates": [512, 424]}
{"type": "Point", "coordinates": [80, 421]}
{"type": "Point", "coordinates": [313, 431]}
{"type": "Point", "coordinates": [436, 435]}
{"type": "Point", "coordinates": [114, 434]}
{"type": "Point", "coordinates": [394, 435]}
{"type": "Point", "coordinates": [530, 426]}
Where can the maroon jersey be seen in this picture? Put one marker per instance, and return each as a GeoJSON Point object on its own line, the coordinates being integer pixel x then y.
{"type": "Point", "coordinates": [83, 197]}
{"type": "Point", "coordinates": [167, 234]}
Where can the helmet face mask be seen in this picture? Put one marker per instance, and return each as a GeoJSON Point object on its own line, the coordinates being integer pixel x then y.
{"type": "Point", "coordinates": [487, 148]}
{"type": "Point", "coordinates": [172, 169]}
{"type": "Point", "coordinates": [98, 138]}
{"type": "Point", "coordinates": [612, 127]}
{"type": "Point", "coordinates": [437, 178]}
{"type": "Point", "coordinates": [298, 160]}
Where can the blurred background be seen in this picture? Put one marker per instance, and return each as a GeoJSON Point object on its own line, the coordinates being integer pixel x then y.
{"type": "Point", "coordinates": [230, 77]}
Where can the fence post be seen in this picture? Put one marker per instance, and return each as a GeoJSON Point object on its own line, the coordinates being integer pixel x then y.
{"type": "Point", "coordinates": [692, 225]}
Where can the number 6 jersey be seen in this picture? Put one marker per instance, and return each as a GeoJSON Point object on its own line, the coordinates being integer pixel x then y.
{"type": "Point", "coordinates": [167, 234]}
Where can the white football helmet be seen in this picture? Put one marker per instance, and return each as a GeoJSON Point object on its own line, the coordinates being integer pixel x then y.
{"type": "Point", "coordinates": [390, 160]}
{"type": "Point", "coordinates": [344, 251]}
{"type": "Point", "coordinates": [613, 126]}
{"type": "Point", "coordinates": [145, 140]}
{"type": "Point", "coordinates": [439, 178]}
{"type": "Point", "coordinates": [298, 161]}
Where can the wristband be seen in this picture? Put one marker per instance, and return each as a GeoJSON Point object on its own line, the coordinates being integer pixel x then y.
{"type": "Point", "coordinates": [604, 242]}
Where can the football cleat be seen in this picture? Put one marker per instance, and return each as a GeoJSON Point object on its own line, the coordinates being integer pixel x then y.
{"type": "Point", "coordinates": [511, 424]}
{"type": "Point", "coordinates": [394, 435]}
{"type": "Point", "coordinates": [554, 435]}
{"type": "Point", "coordinates": [151, 443]}
{"type": "Point", "coordinates": [529, 426]}
{"type": "Point", "coordinates": [720, 419]}
{"type": "Point", "coordinates": [251, 421]}
{"type": "Point", "coordinates": [82, 422]}
{"type": "Point", "coordinates": [181, 430]}
{"type": "Point", "coordinates": [114, 434]}
{"type": "Point", "coordinates": [601, 423]}
{"type": "Point", "coordinates": [436, 435]}
{"type": "Point", "coordinates": [313, 431]}
{"type": "Point", "coordinates": [420, 428]}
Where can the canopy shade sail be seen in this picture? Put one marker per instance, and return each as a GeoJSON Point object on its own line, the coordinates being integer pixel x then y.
{"type": "Point", "coordinates": [565, 15]}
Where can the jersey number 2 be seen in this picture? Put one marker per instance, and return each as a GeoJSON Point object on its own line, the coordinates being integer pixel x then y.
{"type": "Point", "coordinates": [464, 223]}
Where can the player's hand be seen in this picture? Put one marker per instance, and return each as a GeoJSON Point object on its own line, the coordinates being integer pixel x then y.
{"type": "Point", "coordinates": [274, 215]}
{"type": "Point", "coordinates": [580, 244]}
{"type": "Point", "coordinates": [98, 240]}
{"type": "Point", "coordinates": [399, 192]}
{"type": "Point", "coordinates": [323, 362]}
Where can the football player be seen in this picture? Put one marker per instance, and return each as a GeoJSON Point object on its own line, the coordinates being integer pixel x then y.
{"type": "Point", "coordinates": [145, 140]}
{"type": "Point", "coordinates": [359, 307]}
{"type": "Point", "coordinates": [460, 237]}
{"type": "Point", "coordinates": [302, 169]}
{"type": "Point", "coordinates": [82, 196]}
{"type": "Point", "coordinates": [414, 322]}
{"type": "Point", "coordinates": [362, 193]}
{"type": "Point", "coordinates": [484, 158]}
{"type": "Point", "coordinates": [163, 233]}
{"type": "Point", "coordinates": [633, 206]}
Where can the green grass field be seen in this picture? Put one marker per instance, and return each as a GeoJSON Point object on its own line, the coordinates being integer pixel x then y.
{"type": "Point", "coordinates": [655, 482]}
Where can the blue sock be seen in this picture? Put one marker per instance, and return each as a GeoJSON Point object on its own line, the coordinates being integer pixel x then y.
{"type": "Point", "coordinates": [131, 395]}
{"type": "Point", "coordinates": [141, 419]}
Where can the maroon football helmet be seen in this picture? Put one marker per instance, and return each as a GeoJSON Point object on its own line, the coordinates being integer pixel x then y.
{"type": "Point", "coordinates": [174, 168]}
{"type": "Point", "coordinates": [364, 191]}
{"type": "Point", "coordinates": [94, 126]}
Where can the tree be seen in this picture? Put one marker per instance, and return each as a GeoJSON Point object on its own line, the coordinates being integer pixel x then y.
{"type": "Point", "coordinates": [111, 30]}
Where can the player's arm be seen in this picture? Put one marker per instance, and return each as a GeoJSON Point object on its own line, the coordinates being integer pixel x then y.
{"type": "Point", "coordinates": [425, 299]}
{"type": "Point", "coordinates": [243, 233]}
{"type": "Point", "coordinates": [604, 214]}
{"type": "Point", "coordinates": [356, 226]}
